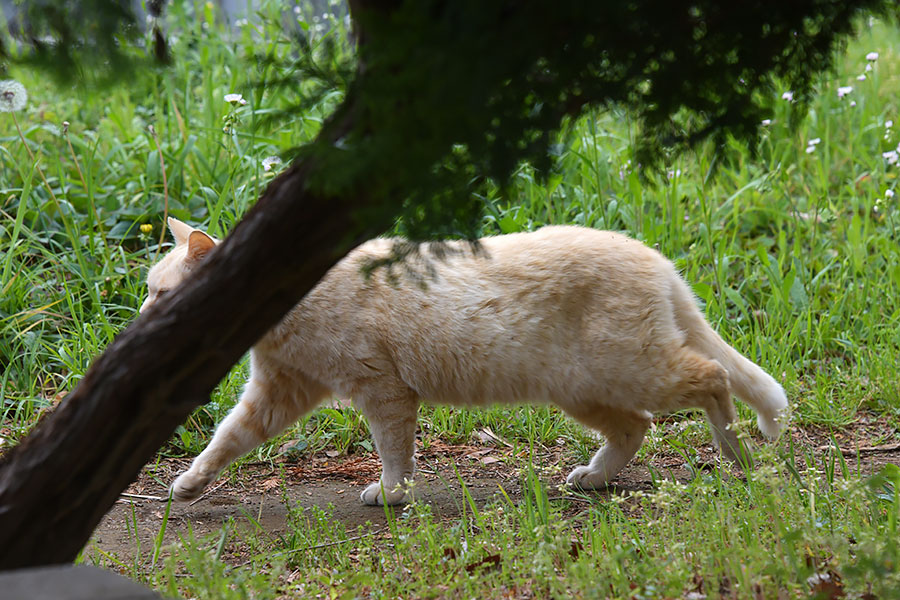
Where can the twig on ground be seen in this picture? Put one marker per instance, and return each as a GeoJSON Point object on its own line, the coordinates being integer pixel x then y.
{"type": "Point", "coordinates": [862, 450]}
{"type": "Point", "coordinates": [316, 547]}
{"type": "Point", "coordinates": [124, 496]}
{"type": "Point", "coordinates": [208, 492]}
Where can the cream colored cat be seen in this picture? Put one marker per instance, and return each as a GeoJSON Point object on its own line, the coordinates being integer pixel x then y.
{"type": "Point", "coordinates": [593, 321]}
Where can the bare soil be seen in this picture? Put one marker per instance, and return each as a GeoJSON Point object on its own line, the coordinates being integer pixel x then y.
{"type": "Point", "coordinates": [262, 493]}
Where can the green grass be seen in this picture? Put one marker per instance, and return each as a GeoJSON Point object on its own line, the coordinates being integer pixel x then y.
{"type": "Point", "coordinates": [797, 520]}
{"type": "Point", "coordinates": [794, 254]}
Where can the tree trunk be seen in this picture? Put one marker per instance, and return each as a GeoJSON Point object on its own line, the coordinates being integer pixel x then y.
{"type": "Point", "coordinates": [59, 482]}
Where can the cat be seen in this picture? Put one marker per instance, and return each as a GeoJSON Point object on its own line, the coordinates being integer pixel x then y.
{"type": "Point", "coordinates": [593, 321]}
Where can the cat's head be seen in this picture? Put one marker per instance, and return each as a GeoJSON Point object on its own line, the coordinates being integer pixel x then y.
{"type": "Point", "coordinates": [191, 246]}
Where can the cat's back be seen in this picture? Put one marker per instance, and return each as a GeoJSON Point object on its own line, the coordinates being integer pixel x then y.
{"type": "Point", "coordinates": [522, 313]}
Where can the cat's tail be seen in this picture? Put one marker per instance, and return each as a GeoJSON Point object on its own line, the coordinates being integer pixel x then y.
{"type": "Point", "coordinates": [748, 381]}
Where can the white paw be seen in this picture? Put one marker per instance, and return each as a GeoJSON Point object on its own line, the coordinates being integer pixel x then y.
{"type": "Point", "coordinates": [586, 478]}
{"type": "Point", "coordinates": [375, 495]}
{"type": "Point", "coordinates": [188, 486]}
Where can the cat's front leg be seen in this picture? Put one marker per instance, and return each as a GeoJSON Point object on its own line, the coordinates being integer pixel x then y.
{"type": "Point", "coordinates": [624, 431]}
{"type": "Point", "coordinates": [265, 409]}
{"type": "Point", "coordinates": [393, 426]}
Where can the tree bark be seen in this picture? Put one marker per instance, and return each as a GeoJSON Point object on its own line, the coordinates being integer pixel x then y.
{"type": "Point", "coordinates": [59, 482]}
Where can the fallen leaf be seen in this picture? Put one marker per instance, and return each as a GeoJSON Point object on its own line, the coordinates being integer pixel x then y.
{"type": "Point", "coordinates": [826, 586]}
{"type": "Point", "coordinates": [488, 562]}
{"type": "Point", "coordinates": [270, 484]}
{"type": "Point", "coordinates": [477, 453]}
{"type": "Point", "coordinates": [293, 447]}
{"type": "Point", "coordinates": [576, 549]}
{"type": "Point", "coordinates": [487, 436]}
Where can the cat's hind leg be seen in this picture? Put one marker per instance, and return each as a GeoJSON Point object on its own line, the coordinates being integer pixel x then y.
{"type": "Point", "coordinates": [267, 406]}
{"type": "Point", "coordinates": [721, 413]}
{"type": "Point", "coordinates": [624, 431]}
{"type": "Point", "coordinates": [704, 383]}
{"type": "Point", "coordinates": [392, 420]}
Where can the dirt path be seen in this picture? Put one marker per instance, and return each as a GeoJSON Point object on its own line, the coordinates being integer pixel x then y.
{"type": "Point", "coordinates": [262, 493]}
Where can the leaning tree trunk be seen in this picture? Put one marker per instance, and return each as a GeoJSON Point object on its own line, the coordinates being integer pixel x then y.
{"type": "Point", "coordinates": [59, 482]}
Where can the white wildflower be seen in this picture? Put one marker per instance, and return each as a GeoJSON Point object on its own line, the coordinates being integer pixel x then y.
{"type": "Point", "coordinates": [766, 122]}
{"type": "Point", "coordinates": [888, 124]}
{"type": "Point", "coordinates": [868, 67]}
{"type": "Point", "coordinates": [12, 96]}
{"type": "Point", "coordinates": [789, 96]}
{"type": "Point", "coordinates": [852, 103]}
{"type": "Point", "coordinates": [888, 194]}
{"type": "Point", "coordinates": [810, 149]}
{"type": "Point", "coordinates": [861, 77]}
{"type": "Point", "coordinates": [844, 90]}
{"type": "Point", "coordinates": [891, 157]}
{"type": "Point", "coordinates": [269, 162]}
{"type": "Point", "coordinates": [815, 141]}
{"type": "Point", "coordinates": [235, 99]}
{"type": "Point", "coordinates": [872, 56]}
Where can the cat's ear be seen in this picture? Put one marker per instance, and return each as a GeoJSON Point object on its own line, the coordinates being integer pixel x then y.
{"type": "Point", "coordinates": [180, 231]}
{"type": "Point", "coordinates": [199, 245]}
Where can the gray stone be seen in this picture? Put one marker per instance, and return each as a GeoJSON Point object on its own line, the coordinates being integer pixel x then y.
{"type": "Point", "coordinates": [70, 582]}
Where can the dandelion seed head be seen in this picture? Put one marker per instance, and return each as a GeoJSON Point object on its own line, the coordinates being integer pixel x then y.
{"type": "Point", "coordinates": [12, 96]}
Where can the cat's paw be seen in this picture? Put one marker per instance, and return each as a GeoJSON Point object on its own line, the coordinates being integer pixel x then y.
{"type": "Point", "coordinates": [586, 478]}
{"type": "Point", "coordinates": [377, 495]}
{"type": "Point", "coordinates": [188, 486]}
